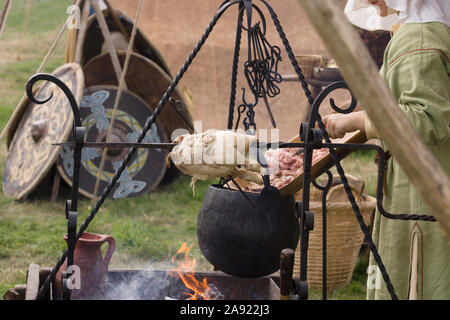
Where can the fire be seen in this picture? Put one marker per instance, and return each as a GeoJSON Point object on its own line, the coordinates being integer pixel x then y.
{"type": "Point", "coordinates": [201, 290]}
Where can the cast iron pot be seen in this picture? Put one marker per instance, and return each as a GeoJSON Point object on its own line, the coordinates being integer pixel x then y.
{"type": "Point", "coordinates": [245, 239]}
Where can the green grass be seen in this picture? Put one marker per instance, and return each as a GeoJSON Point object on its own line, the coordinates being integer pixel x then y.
{"type": "Point", "coordinates": [148, 229]}
{"type": "Point", "coordinates": [45, 15]}
{"type": "Point", "coordinates": [24, 45]}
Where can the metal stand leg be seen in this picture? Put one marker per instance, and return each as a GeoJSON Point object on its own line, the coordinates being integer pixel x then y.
{"type": "Point", "coordinates": [324, 190]}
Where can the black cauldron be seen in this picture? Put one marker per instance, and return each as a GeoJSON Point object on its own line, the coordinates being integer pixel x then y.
{"type": "Point", "coordinates": [243, 236]}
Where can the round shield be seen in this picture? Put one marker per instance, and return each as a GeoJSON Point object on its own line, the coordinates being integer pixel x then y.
{"type": "Point", "coordinates": [93, 40]}
{"type": "Point", "coordinates": [146, 79]}
{"type": "Point", "coordinates": [31, 153]}
{"type": "Point", "coordinates": [147, 167]}
{"type": "Point", "coordinates": [17, 116]}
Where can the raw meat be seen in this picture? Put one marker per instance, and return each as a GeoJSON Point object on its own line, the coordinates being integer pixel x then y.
{"type": "Point", "coordinates": [284, 166]}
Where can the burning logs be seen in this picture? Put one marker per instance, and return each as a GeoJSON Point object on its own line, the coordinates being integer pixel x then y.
{"type": "Point", "coordinates": [163, 285]}
{"type": "Point", "coordinates": [199, 289]}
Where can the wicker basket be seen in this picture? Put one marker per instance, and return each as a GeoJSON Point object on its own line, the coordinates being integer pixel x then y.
{"type": "Point", "coordinates": [344, 237]}
{"type": "Point", "coordinates": [308, 62]}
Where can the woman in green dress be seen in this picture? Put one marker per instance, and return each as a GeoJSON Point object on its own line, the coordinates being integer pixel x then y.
{"type": "Point", "coordinates": [416, 68]}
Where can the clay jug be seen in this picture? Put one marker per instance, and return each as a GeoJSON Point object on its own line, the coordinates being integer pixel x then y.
{"type": "Point", "coordinates": [93, 267]}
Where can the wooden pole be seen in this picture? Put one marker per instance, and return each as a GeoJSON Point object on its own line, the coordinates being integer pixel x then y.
{"type": "Point", "coordinates": [116, 20]}
{"type": "Point", "coordinates": [83, 26]}
{"type": "Point", "coordinates": [72, 38]}
{"type": "Point", "coordinates": [28, 6]}
{"type": "Point", "coordinates": [32, 282]}
{"type": "Point", "coordinates": [286, 270]}
{"type": "Point", "coordinates": [361, 75]}
{"type": "Point", "coordinates": [108, 40]}
{"type": "Point", "coordinates": [4, 15]}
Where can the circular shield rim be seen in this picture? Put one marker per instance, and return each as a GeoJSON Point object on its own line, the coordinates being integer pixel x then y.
{"type": "Point", "coordinates": [187, 105]}
{"type": "Point", "coordinates": [17, 115]}
{"type": "Point", "coordinates": [162, 63]}
{"type": "Point", "coordinates": [79, 75]}
{"type": "Point", "coordinates": [165, 137]}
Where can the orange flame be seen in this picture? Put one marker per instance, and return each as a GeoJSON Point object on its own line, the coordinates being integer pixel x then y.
{"type": "Point", "coordinates": [186, 271]}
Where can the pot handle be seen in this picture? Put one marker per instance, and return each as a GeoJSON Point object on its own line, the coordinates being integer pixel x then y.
{"type": "Point", "coordinates": [111, 247]}
{"type": "Point", "coordinates": [270, 197]}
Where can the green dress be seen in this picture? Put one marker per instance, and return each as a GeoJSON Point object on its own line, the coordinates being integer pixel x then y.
{"type": "Point", "coordinates": [416, 253]}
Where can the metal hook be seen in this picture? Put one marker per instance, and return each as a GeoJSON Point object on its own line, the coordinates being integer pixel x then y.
{"type": "Point", "coordinates": [248, 7]}
{"type": "Point", "coordinates": [59, 84]}
{"type": "Point", "coordinates": [242, 192]}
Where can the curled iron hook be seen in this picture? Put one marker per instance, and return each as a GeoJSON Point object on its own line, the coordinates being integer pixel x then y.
{"type": "Point", "coordinates": [328, 182]}
{"type": "Point", "coordinates": [314, 115]}
{"type": "Point", "coordinates": [261, 17]}
{"type": "Point", "coordinates": [59, 84]}
{"type": "Point", "coordinates": [248, 7]}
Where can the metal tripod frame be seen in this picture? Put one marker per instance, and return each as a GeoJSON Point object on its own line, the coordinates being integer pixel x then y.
{"type": "Point", "coordinates": [312, 139]}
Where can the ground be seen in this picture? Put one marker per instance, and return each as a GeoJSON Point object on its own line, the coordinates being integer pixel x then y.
{"type": "Point", "coordinates": [149, 229]}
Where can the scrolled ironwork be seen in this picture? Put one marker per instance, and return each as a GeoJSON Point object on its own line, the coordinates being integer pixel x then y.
{"type": "Point", "coordinates": [48, 77]}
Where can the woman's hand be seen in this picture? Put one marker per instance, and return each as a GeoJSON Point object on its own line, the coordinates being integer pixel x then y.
{"type": "Point", "coordinates": [337, 125]}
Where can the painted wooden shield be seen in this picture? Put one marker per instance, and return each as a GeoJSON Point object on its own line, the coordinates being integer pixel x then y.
{"type": "Point", "coordinates": [17, 115]}
{"type": "Point", "coordinates": [31, 153]}
{"type": "Point", "coordinates": [147, 167]}
{"type": "Point", "coordinates": [93, 40]}
{"type": "Point", "coordinates": [146, 79]}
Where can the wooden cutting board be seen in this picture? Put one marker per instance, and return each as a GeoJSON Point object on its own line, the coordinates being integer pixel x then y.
{"type": "Point", "coordinates": [318, 167]}
{"type": "Point", "coordinates": [324, 163]}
